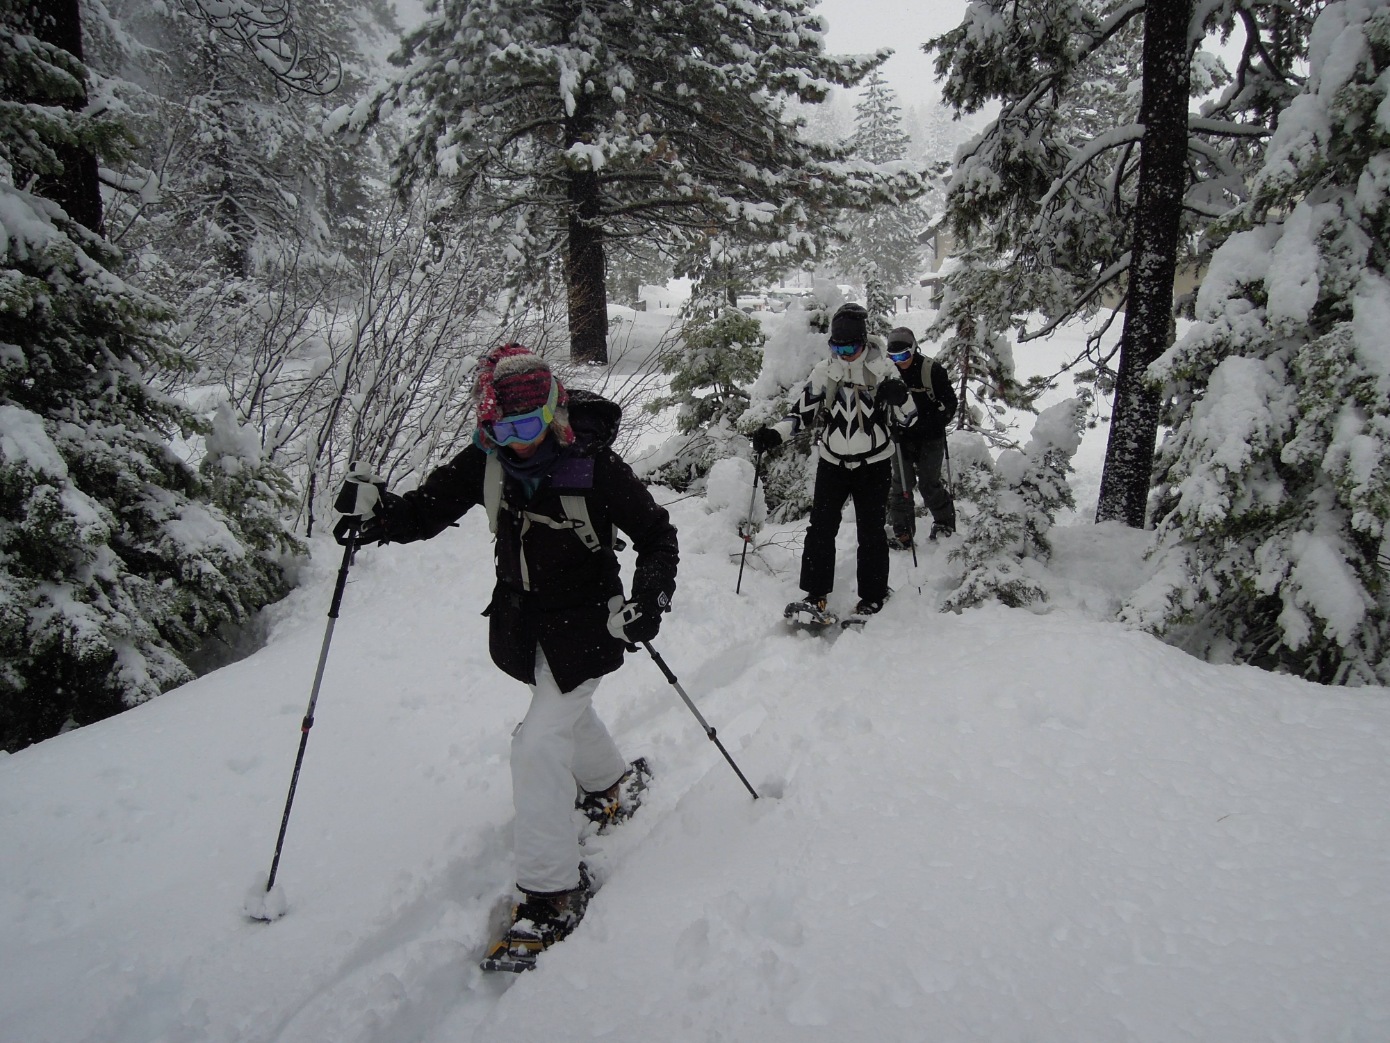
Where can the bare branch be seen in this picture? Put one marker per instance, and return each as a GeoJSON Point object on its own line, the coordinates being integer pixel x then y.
{"type": "Point", "coordinates": [266, 28]}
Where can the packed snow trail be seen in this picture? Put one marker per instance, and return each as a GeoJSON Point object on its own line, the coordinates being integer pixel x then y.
{"type": "Point", "coordinates": [988, 826]}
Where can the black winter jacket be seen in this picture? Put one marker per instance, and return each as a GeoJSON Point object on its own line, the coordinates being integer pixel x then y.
{"type": "Point", "coordinates": [935, 402]}
{"type": "Point", "coordinates": [551, 589]}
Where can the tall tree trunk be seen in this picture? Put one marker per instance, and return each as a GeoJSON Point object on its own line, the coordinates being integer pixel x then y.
{"type": "Point", "coordinates": [585, 266]}
{"type": "Point", "coordinates": [584, 272]}
{"type": "Point", "coordinates": [77, 189]}
{"type": "Point", "coordinates": [1129, 454]}
{"type": "Point", "coordinates": [968, 336]}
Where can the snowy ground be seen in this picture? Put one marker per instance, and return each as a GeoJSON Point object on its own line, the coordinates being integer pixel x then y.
{"type": "Point", "coordinates": [1001, 825]}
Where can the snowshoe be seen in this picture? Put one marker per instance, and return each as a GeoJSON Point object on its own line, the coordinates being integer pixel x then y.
{"type": "Point", "coordinates": [538, 922]}
{"type": "Point", "coordinates": [900, 541]}
{"type": "Point", "coordinates": [863, 611]}
{"type": "Point", "coordinates": [616, 804]}
{"type": "Point", "coordinates": [811, 613]}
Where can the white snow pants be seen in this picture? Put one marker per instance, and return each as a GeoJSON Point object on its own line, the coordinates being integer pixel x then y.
{"type": "Point", "coordinates": [559, 743]}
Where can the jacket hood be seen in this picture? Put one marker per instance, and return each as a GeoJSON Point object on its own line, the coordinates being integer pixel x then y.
{"type": "Point", "coordinates": [595, 421]}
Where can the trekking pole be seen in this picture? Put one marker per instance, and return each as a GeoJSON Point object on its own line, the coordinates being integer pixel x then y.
{"type": "Point", "coordinates": [703, 723]}
{"type": "Point", "coordinates": [350, 546]}
{"type": "Point", "coordinates": [748, 535]}
{"type": "Point", "coordinates": [907, 498]}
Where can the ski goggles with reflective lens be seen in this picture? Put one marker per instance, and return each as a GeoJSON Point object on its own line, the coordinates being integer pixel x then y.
{"type": "Point", "coordinates": [899, 352]}
{"type": "Point", "coordinates": [844, 350]}
{"type": "Point", "coordinates": [524, 427]}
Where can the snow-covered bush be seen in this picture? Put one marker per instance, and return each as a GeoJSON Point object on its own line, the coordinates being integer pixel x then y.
{"type": "Point", "coordinates": [1013, 505]}
{"type": "Point", "coordinates": [732, 497]}
{"type": "Point", "coordinates": [796, 342]}
{"type": "Point", "coordinates": [1274, 511]}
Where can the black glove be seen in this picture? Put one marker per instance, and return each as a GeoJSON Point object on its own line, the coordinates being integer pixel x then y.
{"type": "Point", "coordinates": [766, 439]}
{"type": "Point", "coordinates": [891, 393]}
{"type": "Point", "coordinates": [365, 506]}
{"type": "Point", "coordinates": [360, 494]}
{"type": "Point", "coordinates": [637, 620]}
{"type": "Point", "coordinates": [353, 530]}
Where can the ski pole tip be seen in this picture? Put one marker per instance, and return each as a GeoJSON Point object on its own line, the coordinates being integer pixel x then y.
{"type": "Point", "coordinates": [265, 905]}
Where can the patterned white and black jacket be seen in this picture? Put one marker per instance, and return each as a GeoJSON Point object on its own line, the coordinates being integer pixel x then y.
{"type": "Point", "coordinates": [856, 428]}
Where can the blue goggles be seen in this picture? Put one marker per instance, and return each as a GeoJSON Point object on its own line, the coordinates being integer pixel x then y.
{"type": "Point", "coordinates": [899, 352]}
{"type": "Point", "coordinates": [844, 351]}
{"type": "Point", "coordinates": [524, 427]}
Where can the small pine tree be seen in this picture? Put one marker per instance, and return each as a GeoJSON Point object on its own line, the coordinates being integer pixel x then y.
{"type": "Point", "coordinates": [879, 302]}
{"type": "Point", "coordinates": [719, 355]}
{"type": "Point", "coordinates": [1015, 504]}
{"type": "Point", "coordinates": [971, 327]}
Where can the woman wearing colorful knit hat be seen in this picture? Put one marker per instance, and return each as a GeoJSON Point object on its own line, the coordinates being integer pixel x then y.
{"type": "Point", "coordinates": [556, 493]}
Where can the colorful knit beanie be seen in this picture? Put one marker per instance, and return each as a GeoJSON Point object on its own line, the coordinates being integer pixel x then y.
{"type": "Point", "coordinates": [511, 381]}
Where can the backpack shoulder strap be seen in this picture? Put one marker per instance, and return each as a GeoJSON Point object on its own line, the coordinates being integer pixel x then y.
{"type": "Point", "coordinates": [492, 490]}
{"type": "Point", "coordinates": [575, 506]}
{"type": "Point", "coordinates": [576, 509]}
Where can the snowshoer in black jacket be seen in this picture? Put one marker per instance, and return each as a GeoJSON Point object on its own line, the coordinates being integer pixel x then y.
{"type": "Point", "coordinates": [923, 444]}
{"type": "Point", "coordinates": [555, 491]}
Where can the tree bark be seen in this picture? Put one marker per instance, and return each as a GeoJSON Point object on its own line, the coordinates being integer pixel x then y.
{"type": "Point", "coordinates": [585, 274]}
{"type": "Point", "coordinates": [77, 189]}
{"type": "Point", "coordinates": [1148, 327]}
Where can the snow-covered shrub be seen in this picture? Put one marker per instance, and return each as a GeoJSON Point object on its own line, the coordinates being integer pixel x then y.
{"type": "Point", "coordinates": [248, 487]}
{"type": "Point", "coordinates": [1274, 510]}
{"type": "Point", "coordinates": [1014, 503]}
{"type": "Point", "coordinates": [796, 342]}
{"type": "Point", "coordinates": [730, 493]}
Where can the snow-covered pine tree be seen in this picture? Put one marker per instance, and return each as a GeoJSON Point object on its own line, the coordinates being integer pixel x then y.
{"type": "Point", "coordinates": [1274, 537]}
{"type": "Point", "coordinates": [1014, 506]}
{"type": "Point", "coordinates": [718, 355]}
{"type": "Point", "coordinates": [882, 242]}
{"type": "Point", "coordinates": [976, 310]}
{"type": "Point", "coordinates": [1108, 203]}
{"type": "Point", "coordinates": [113, 565]}
{"type": "Point", "coordinates": [577, 124]}
{"type": "Point", "coordinates": [878, 299]}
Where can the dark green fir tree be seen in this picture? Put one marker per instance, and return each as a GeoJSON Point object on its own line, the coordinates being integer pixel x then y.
{"type": "Point", "coordinates": [116, 567]}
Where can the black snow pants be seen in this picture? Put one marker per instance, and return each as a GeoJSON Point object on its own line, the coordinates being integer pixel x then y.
{"type": "Point", "coordinates": [922, 461]}
{"type": "Point", "coordinates": [868, 485]}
